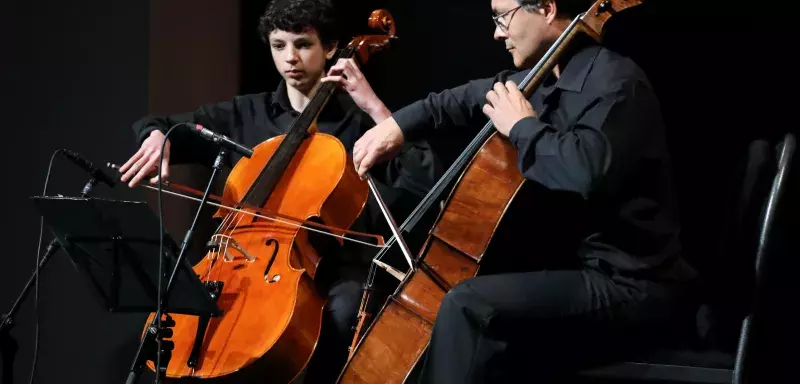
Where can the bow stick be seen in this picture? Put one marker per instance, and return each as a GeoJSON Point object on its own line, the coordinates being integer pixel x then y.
{"type": "Point", "coordinates": [220, 202]}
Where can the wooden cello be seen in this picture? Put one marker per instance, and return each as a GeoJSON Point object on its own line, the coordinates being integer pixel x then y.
{"type": "Point", "coordinates": [262, 272]}
{"type": "Point", "coordinates": [464, 231]}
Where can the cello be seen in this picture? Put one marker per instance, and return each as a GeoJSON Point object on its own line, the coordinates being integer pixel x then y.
{"type": "Point", "coordinates": [261, 272]}
{"type": "Point", "coordinates": [486, 182]}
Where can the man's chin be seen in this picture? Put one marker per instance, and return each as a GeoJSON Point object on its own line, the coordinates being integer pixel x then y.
{"type": "Point", "coordinates": [519, 62]}
{"type": "Point", "coordinates": [296, 83]}
{"type": "Point", "coordinates": [526, 62]}
{"type": "Point", "coordinates": [301, 84]}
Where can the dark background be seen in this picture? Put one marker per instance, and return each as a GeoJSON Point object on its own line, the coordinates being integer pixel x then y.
{"type": "Point", "coordinates": [76, 74]}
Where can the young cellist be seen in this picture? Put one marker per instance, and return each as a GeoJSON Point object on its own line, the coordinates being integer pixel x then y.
{"type": "Point", "coordinates": [302, 37]}
{"type": "Point", "coordinates": [593, 130]}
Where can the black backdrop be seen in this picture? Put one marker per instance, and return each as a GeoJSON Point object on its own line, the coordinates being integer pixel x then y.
{"type": "Point", "coordinates": [75, 76]}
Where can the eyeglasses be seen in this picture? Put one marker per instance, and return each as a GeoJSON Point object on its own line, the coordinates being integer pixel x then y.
{"type": "Point", "coordinates": [498, 20]}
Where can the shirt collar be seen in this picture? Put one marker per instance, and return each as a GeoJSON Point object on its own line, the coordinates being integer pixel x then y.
{"type": "Point", "coordinates": [336, 106]}
{"type": "Point", "coordinates": [280, 98]}
{"type": "Point", "coordinates": [577, 70]}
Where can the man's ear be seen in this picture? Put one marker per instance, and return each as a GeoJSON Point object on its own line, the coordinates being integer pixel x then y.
{"type": "Point", "coordinates": [549, 10]}
{"type": "Point", "coordinates": [330, 49]}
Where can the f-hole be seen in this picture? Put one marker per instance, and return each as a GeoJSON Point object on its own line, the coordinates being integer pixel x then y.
{"type": "Point", "coordinates": [274, 243]}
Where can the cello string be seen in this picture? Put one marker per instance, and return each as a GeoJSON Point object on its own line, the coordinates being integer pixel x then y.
{"type": "Point", "coordinates": [301, 123]}
{"type": "Point", "coordinates": [225, 233]}
{"type": "Point", "coordinates": [215, 251]}
{"type": "Point", "coordinates": [241, 211]}
{"type": "Point", "coordinates": [229, 234]}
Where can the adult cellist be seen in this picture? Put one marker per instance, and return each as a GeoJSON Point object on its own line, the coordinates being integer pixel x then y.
{"type": "Point", "coordinates": [610, 266]}
{"type": "Point", "coordinates": [302, 36]}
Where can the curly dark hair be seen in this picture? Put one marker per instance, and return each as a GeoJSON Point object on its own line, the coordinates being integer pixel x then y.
{"type": "Point", "coordinates": [300, 16]}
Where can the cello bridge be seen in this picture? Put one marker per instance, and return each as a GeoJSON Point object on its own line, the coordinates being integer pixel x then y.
{"type": "Point", "coordinates": [225, 243]}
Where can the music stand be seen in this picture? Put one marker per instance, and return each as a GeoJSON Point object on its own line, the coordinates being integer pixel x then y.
{"type": "Point", "coordinates": [115, 244]}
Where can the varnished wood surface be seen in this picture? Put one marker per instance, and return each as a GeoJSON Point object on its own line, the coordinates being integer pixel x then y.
{"type": "Point", "coordinates": [479, 200]}
{"type": "Point", "coordinates": [595, 19]}
{"type": "Point", "coordinates": [422, 294]}
{"type": "Point", "coordinates": [446, 262]}
{"type": "Point", "coordinates": [397, 338]}
{"type": "Point", "coordinates": [270, 328]}
{"type": "Point", "coordinates": [395, 342]}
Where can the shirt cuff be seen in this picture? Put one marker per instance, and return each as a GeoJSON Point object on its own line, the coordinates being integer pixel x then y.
{"type": "Point", "coordinates": [525, 130]}
{"type": "Point", "coordinates": [142, 132]}
{"type": "Point", "coordinates": [411, 120]}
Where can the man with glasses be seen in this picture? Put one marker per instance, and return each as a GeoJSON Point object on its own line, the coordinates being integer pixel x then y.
{"type": "Point", "coordinates": [605, 232]}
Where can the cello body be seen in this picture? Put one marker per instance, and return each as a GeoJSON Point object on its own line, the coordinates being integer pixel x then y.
{"type": "Point", "coordinates": [271, 310]}
{"type": "Point", "coordinates": [398, 336]}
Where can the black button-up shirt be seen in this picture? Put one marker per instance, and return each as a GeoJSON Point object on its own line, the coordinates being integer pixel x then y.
{"type": "Point", "coordinates": [599, 134]}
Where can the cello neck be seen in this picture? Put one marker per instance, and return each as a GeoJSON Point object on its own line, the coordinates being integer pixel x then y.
{"type": "Point", "coordinates": [546, 64]}
{"type": "Point", "coordinates": [318, 101]}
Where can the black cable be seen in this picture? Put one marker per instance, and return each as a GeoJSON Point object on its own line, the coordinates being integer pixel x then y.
{"type": "Point", "coordinates": [38, 257]}
{"type": "Point", "coordinates": [161, 244]}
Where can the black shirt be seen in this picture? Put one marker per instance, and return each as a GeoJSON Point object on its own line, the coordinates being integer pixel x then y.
{"type": "Point", "coordinates": [599, 134]}
{"type": "Point", "coordinates": [253, 118]}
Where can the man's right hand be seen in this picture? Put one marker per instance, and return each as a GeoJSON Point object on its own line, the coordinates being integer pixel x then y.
{"type": "Point", "coordinates": [383, 142]}
{"type": "Point", "coordinates": [145, 161]}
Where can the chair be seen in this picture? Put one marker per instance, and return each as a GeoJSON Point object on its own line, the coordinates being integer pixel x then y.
{"type": "Point", "coordinates": [751, 232]}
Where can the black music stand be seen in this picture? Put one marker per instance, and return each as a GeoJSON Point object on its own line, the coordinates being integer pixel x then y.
{"type": "Point", "coordinates": [115, 244]}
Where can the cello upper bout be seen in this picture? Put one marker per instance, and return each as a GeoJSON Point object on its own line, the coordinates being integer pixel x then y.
{"type": "Point", "coordinates": [345, 202]}
{"type": "Point", "coordinates": [245, 172]}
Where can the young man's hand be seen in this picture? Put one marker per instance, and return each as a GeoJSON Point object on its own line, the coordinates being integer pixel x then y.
{"type": "Point", "coordinates": [347, 74]}
{"type": "Point", "coordinates": [145, 161]}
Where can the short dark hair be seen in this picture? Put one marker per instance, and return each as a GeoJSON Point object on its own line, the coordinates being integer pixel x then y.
{"type": "Point", "coordinates": [300, 16]}
{"type": "Point", "coordinates": [566, 8]}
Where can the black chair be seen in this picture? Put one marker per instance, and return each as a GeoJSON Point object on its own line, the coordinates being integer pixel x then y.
{"type": "Point", "coordinates": [732, 294]}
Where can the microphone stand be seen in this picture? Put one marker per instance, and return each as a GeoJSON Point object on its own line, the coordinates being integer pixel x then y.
{"type": "Point", "coordinates": [153, 338]}
{"type": "Point", "coordinates": [7, 345]}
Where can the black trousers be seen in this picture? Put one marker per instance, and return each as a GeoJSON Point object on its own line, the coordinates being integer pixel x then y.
{"type": "Point", "coordinates": [343, 290]}
{"type": "Point", "coordinates": [533, 326]}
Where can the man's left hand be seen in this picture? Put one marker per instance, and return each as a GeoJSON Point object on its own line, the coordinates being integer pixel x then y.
{"type": "Point", "coordinates": [506, 106]}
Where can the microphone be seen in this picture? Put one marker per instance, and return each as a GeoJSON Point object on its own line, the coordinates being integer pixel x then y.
{"type": "Point", "coordinates": [222, 140]}
{"type": "Point", "coordinates": [87, 166]}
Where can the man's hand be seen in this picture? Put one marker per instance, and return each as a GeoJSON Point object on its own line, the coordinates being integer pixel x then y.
{"type": "Point", "coordinates": [346, 73]}
{"type": "Point", "coordinates": [145, 161]}
{"type": "Point", "coordinates": [507, 105]}
{"type": "Point", "coordinates": [379, 144]}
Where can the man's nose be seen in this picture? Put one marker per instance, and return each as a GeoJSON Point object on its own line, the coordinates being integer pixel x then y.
{"type": "Point", "coordinates": [290, 55]}
{"type": "Point", "coordinates": [499, 34]}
